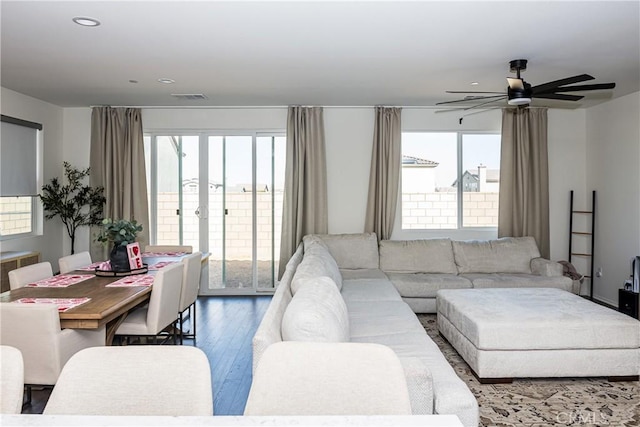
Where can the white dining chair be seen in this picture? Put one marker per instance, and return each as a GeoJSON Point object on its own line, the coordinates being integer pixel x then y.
{"type": "Point", "coordinates": [72, 262]}
{"type": "Point", "coordinates": [168, 248]}
{"type": "Point", "coordinates": [34, 329]}
{"type": "Point", "coordinates": [29, 274]}
{"type": "Point", "coordinates": [189, 293]}
{"type": "Point", "coordinates": [162, 310]}
{"type": "Point", "coordinates": [312, 378]}
{"type": "Point", "coordinates": [11, 380]}
{"type": "Point", "coordinates": [134, 380]}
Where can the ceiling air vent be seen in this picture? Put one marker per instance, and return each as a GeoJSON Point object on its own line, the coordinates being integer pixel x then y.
{"type": "Point", "coordinates": [189, 96]}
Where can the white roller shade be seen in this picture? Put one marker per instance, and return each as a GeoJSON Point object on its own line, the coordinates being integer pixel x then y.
{"type": "Point", "coordinates": [18, 157]}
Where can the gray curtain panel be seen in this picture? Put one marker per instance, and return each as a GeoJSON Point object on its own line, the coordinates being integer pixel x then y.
{"type": "Point", "coordinates": [524, 176]}
{"type": "Point", "coordinates": [384, 176]}
{"type": "Point", "coordinates": [305, 186]}
{"type": "Point", "coordinates": [117, 164]}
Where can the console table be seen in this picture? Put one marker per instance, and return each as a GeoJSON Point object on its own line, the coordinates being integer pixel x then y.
{"type": "Point", "coordinates": [12, 260]}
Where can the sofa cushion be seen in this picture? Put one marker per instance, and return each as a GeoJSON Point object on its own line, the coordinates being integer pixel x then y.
{"type": "Point", "coordinates": [502, 280]}
{"type": "Point", "coordinates": [353, 251]}
{"type": "Point", "coordinates": [417, 256]}
{"type": "Point", "coordinates": [505, 255]}
{"type": "Point", "coordinates": [362, 273]}
{"type": "Point", "coordinates": [369, 290]}
{"type": "Point", "coordinates": [425, 285]}
{"type": "Point", "coordinates": [317, 312]}
{"type": "Point", "coordinates": [369, 319]}
{"type": "Point", "coordinates": [316, 263]}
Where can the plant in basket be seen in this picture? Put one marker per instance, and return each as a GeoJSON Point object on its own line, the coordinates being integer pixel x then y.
{"type": "Point", "coordinates": [119, 233]}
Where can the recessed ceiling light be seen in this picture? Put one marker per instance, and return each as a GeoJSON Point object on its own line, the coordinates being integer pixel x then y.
{"type": "Point", "coordinates": [86, 22]}
{"type": "Point", "coordinates": [166, 81]}
{"type": "Point", "coordinates": [474, 83]}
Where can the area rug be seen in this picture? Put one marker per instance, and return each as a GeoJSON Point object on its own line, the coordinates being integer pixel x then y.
{"type": "Point", "coordinates": [545, 402]}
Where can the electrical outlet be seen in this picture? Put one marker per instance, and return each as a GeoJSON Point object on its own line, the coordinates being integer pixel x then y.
{"type": "Point", "coordinates": [599, 272]}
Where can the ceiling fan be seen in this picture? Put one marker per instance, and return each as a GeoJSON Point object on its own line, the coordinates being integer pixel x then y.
{"type": "Point", "coordinates": [520, 93]}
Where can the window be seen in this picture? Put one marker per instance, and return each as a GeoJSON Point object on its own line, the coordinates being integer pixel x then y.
{"type": "Point", "coordinates": [21, 176]}
{"type": "Point", "coordinates": [16, 216]}
{"type": "Point", "coordinates": [450, 180]}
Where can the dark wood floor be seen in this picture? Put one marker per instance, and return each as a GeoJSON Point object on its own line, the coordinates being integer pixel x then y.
{"type": "Point", "coordinates": [225, 328]}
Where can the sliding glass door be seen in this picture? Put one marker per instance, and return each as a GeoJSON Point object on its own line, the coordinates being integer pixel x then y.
{"type": "Point", "coordinates": [235, 216]}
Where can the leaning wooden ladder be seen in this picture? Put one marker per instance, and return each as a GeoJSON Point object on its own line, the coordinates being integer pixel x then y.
{"type": "Point", "coordinates": [592, 216]}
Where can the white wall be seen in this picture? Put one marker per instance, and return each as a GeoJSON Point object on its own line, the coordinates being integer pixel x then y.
{"type": "Point", "coordinates": [50, 243]}
{"type": "Point", "coordinates": [262, 119]}
{"type": "Point", "coordinates": [567, 171]}
{"type": "Point", "coordinates": [348, 139]}
{"type": "Point", "coordinates": [613, 164]}
{"type": "Point", "coordinates": [76, 148]}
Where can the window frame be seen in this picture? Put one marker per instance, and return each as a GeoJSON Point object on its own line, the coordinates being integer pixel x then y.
{"type": "Point", "coordinates": [35, 213]}
{"type": "Point", "coordinates": [460, 228]}
{"type": "Point", "coordinates": [203, 136]}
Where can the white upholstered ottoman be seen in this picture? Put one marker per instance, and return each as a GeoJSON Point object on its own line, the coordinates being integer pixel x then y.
{"type": "Point", "coordinates": [504, 333]}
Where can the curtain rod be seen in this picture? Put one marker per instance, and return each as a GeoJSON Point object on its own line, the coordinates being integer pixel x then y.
{"type": "Point", "coordinates": [250, 107]}
{"type": "Point", "coordinates": [244, 107]}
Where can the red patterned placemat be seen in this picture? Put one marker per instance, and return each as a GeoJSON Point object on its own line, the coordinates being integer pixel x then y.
{"type": "Point", "coordinates": [63, 304]}
{"type": "Point", "coordinates": [159, 265]}
{"type": "Point", "coordinates": [139, 280]}
{"type": "Point", "coordinates": [61, 280]}
{"type": "Point", "coordinates": [159, 254]}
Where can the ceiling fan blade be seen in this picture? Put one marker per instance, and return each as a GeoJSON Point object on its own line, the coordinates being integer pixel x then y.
{"type": "Point", "coordinates": [517, 84]}
{"type": "Point", "coordinates": [480, 105]}
{"type": "Point", "coordinates": [549, 86]}
{"type": "Point", "coordinates": [580, 88]}
{"type": "Point", "coordinates": [559, 96]}
{"type": "Point", "coordinates": [449, 110]}
{"type": "Point", "coordinates": [472, 99]}
{"type": "Point", "coordinates": [470, 91]}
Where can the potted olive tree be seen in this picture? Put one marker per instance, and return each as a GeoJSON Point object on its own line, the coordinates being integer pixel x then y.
{"type": "Point", "coordinates": [76, 203]}
{"type": "Point", "coordinates": [119, 233]}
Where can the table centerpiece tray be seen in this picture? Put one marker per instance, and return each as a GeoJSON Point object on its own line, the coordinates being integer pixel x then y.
{"type": "Point", "coordinates": [123, 273]}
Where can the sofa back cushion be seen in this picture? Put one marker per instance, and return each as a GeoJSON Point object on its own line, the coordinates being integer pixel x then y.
{"type": "Point", "coordinates": [417, 256]}
{"type": "Point", "coordinates": [505, 255]}
{"type": "Point", "coordinates": [353, 251]}
{"type": "Point", "coordinates": [317, 313]}
{"type": "Point", "coordinates": [317, 262]}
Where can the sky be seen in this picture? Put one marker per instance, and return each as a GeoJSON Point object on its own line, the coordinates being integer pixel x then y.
{"type": "Point", "coordinates": [442, 148]}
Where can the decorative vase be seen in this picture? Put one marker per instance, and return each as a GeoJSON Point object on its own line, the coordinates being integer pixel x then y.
{"type": "Point", "coordinates": [119, 258]}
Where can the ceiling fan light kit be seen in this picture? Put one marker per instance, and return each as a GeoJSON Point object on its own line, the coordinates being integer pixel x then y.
{"type": "Point", "coordinates": [520, 93]}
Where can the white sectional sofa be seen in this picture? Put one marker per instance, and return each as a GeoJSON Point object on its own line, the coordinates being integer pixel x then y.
{"type": "Point", "coordinates": [382, 286]}
{"type": "Point", "coordinates": [368, 309]}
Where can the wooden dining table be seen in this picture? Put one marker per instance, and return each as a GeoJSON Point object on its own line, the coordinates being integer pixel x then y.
{"type": "Point", "coordinates": [107, 306]}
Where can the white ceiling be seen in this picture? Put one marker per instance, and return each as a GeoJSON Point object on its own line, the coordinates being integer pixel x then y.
{"type": "Point", "coordinates": [311, 53]}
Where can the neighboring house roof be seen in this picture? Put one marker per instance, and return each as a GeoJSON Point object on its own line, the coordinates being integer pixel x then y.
{"type": "Point", "coordinates": [416, 161]}
{"type": "Point", "coordinates": [493, 175]}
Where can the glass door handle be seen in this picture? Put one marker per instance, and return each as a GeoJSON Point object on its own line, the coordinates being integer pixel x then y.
{"type": "Point", "coordinates": [201, 212]}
